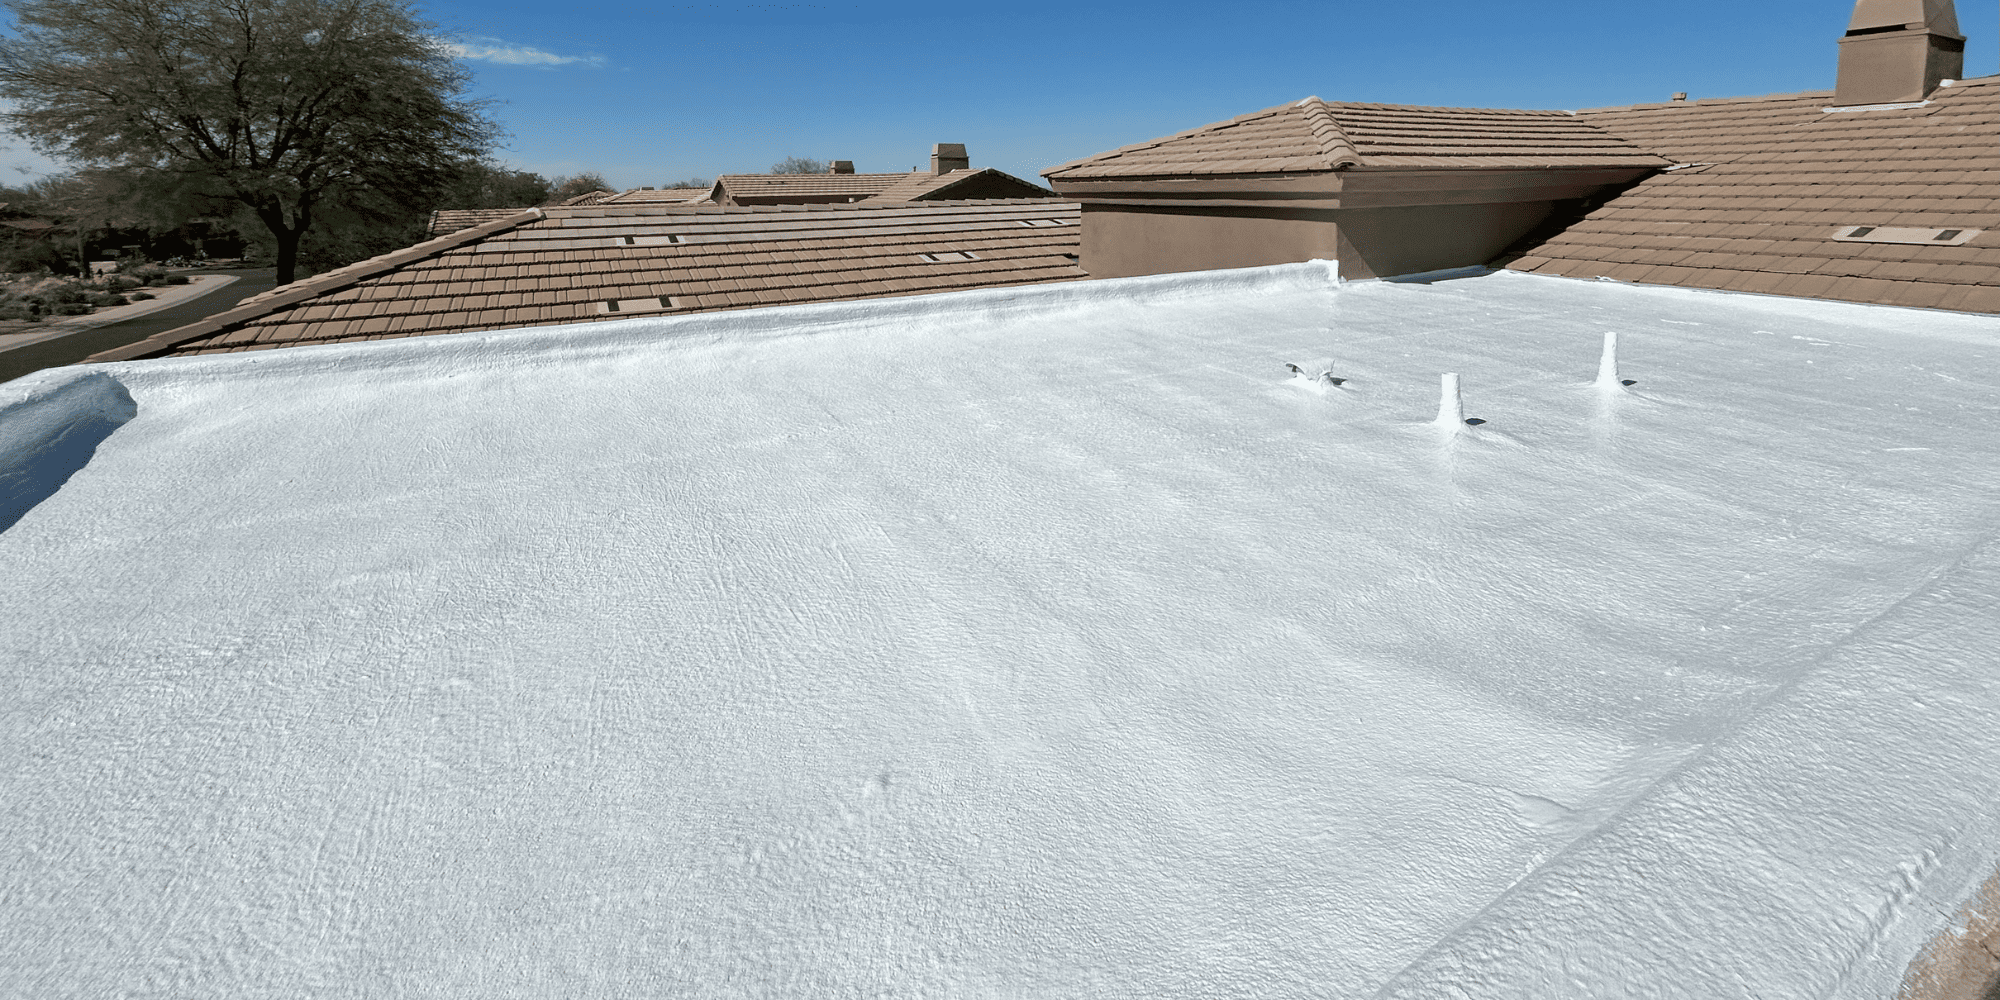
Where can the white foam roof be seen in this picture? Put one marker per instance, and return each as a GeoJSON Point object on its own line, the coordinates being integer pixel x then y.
{"type": "Point", "coordinates": [1044, 642]}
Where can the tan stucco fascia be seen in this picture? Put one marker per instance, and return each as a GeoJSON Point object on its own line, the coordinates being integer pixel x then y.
{"type": "Point", "coordinates": [1358, 187]}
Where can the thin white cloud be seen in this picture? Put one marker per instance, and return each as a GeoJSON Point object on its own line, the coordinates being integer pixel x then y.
{"type": "Point", "coordinates": [507, 53]}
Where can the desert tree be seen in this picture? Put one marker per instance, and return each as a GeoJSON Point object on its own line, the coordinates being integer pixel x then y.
{"type": "Point", "coordinates": [570, 185]}
{"type": "Point", "coordinates": [283, 106]}
{"type": "Point", "coordinates": [482, 184]}
{"type": "Point", "coordinates": [798, 165]}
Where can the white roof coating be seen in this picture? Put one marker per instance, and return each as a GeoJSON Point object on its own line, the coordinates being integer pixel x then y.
{"type": "Point", "coordinates": [1046, 642]}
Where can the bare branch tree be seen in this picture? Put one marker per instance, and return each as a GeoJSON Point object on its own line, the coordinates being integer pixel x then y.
{"type": "Point", "coordinates": [280, 105]}
{"type": "Point", "coordinates": [798, 165]}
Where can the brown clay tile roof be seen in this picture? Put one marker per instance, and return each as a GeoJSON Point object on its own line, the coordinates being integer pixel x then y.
{"type": "Point", "coordinates": [659, 196]}
{"type": "Point", "coordinates": [1315, 135]}
{"type": "Point", "coordinates": [786, 188]}
{"type": "Point", "coordinates": [922, 185]}
{"type": "Point", "coordinates": [612, 261]}
{"type": "Point", "coordinates": [449, 221]}
{"type": "Point", "coordinates": [1769, 185]}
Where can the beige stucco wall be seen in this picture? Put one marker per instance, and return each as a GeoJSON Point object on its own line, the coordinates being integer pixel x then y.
{"type": "Point", "coordinates": [1380, 242]}
{"type": "Point", "coordinates": [1121, 240]}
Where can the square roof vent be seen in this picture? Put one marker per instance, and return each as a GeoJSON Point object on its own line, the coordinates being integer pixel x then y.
{"type": "Point", "coordinates": [1910, 235]}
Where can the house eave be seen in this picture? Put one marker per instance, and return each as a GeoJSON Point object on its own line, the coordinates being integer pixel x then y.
{"type": "Point", "coordinates": [1357, 187]}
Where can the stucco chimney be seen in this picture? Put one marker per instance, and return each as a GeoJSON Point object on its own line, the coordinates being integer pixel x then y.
{"type": "Point", "coordinates": [949, 156]}
{"type": "Point", "coordinates": [1898, 50]}
{"type": "Point", "coordinates": [840, 167]}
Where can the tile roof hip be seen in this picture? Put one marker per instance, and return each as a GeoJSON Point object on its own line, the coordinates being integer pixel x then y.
{"type": "Point", "coordinates": [1317, 135]}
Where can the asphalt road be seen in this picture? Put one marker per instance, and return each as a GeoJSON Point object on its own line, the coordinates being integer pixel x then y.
{"type": "Point", "coordinates": [75, 347]}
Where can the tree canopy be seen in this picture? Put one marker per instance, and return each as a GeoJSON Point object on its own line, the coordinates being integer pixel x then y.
{"type": "Point", "coordinates": [569, 186]}
{"type": "Point", "coordinates": [284, 106]}
{"type": "Point", "coordinates": [799, 165]}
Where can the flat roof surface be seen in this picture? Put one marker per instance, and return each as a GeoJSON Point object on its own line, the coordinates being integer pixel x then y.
{"type": "Point", "coordinates": [1038, 642]}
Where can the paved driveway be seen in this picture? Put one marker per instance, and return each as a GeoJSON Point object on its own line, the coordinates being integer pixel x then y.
{"type": "Point", "coordinates": [74, 347]}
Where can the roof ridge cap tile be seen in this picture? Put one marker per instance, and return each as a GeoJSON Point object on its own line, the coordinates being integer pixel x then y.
{"type": "Point", "coordinates": [955, 178]}
{"type": "Point", "coordinates": [1325, 129]}
{"type": "Point", "coordinates": [1112, 154]}
{"type": "Point", "coordinates": [1711, 102]}
{"type": "Point", "coordinates": [313, 287]}
{"type": "Point", "coordinates": [1379, 106]}
{"type": "Point", "coordinates": [819, 177]}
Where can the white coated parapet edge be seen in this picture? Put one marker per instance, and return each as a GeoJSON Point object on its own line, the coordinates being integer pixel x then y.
{"type": "Point", "coordinates": [50, 423]}
{"type": "Point", "coordinates": [576, 341]}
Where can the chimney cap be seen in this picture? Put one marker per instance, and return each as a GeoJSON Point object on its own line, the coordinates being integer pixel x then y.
{"type": "Point", "coordinates": [1680, 95]}
{"type": "Point", "coordinates": [949, 156]}
{"type": "Point", "coordinates": [1939, 17]}
{"type": "Point", "coordinates": [840, 167]}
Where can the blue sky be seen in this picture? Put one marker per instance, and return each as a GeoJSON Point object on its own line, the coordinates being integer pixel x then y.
{"type": "Point", "coordinates": [650, 94]}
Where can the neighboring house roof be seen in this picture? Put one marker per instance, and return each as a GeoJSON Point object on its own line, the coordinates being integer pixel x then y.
{"type": "Point", "coordinates": [448, 221]}
{"type": "Point", "coordinates": [567, 265]}
{"type": "Point", "coordinates": [1316, 135]}
{"type": "Point", "coordinates": [917, 185]}
{"type": "Point", "coordinates": [984, 182]}
{"type": "Point", "coordinates": [783, 188]}
{"type": "Point", "coordinates": [1769, 192]}
{"type": "Point", "coordinates": [30, 225]}
{"type": "Point", "coordinates": [658, 196]}
{"type": "Point", "coordinates": [452, 220]}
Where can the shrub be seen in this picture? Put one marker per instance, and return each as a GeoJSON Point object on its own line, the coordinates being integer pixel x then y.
{"type": "Point", "coordinates": [104, 299]}
{"type": "Point", "coordinates": [143, 296]}
{"type": "Point", "coordinates": [146, 273]}
{"type": "Point", "coordinates": [177, 279]}
{"type": "Point", "coordinates": [42, 257]}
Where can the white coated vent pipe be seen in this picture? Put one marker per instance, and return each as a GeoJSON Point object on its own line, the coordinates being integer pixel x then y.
{"type": "Point", "coordinates": [1451, 411]}
{"type": "Point", "coordinates": [1607, 366]}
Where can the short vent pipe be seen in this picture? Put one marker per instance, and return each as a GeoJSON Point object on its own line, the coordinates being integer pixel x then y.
{"type": "Point", "coordinates": [1451, 410]}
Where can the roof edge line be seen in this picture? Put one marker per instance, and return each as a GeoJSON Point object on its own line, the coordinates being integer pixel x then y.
{"type": "Point", "coordinates": [313, 287]}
